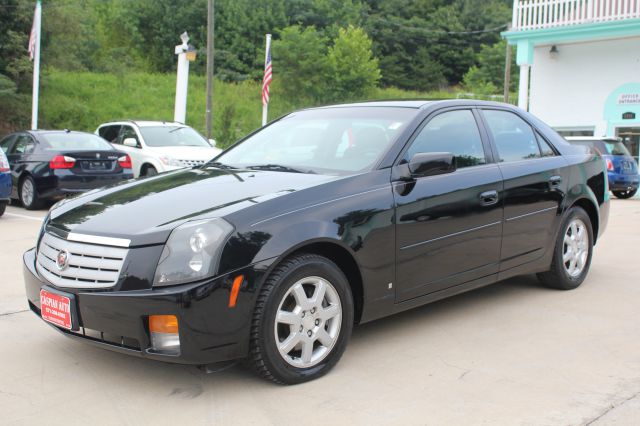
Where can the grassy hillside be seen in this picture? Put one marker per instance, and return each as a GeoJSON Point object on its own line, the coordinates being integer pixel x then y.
{"type": "Point", "coordinates": [82, 100]}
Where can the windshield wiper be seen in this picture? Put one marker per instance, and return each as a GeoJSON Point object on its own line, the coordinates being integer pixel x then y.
{"type": "Point", "coordinates": [278, 168]}
{"type": "Point", "coordinates": [220, 165]}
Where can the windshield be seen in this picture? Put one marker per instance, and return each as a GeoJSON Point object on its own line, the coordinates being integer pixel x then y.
{"type": "Point", "coordinates": [172, 136]}
{"type": "Point", "coordinates": [74, 141]}
{"type": "Point", "coordinates": [330, 141]}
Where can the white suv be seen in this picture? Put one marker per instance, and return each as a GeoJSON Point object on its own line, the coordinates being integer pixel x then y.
{"type": "Point", "coordinates": [158, 146]}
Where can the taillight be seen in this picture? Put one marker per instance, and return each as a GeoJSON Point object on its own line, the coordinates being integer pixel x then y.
{"type": "Point", "coordinates": [4, 163]}
{"type": "Point", "coordinates": [125, 162]}
{"type": "Point", "coordinates": [609, 165]}
{"type": "Point", "coordinates": [62, 162]}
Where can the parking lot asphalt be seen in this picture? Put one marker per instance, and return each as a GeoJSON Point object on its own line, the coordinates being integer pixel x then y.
{"type": "Point", "coordinates": [512, 353]}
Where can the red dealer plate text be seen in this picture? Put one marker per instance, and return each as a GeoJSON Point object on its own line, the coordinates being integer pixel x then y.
{"type": "Point", "coordinates": [55, 309]}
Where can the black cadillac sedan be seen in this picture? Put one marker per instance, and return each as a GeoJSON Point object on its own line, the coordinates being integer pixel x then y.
{"type": "Point", "coordinates": [51, 164]}
{"type": "Point", "coordinates": [326, 218]}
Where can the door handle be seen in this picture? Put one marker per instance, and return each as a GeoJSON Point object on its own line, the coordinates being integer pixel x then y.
{"type": "Point", "coordinates": [489, 198]}
{"type": "Point", "coordinates": [555, 181]}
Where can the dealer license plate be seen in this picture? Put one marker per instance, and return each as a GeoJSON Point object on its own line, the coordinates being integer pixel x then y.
{"type": "Point", "coordinates": [56, 309]}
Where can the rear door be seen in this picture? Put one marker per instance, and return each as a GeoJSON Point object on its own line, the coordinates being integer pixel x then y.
{"type": "Point", "coordinates": [535, 184]}
{"type": "Point", "coordinates": [448, 227]}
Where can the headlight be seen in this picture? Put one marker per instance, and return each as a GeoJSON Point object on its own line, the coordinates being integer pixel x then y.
{"type": "Point", "coordinates": [168, 161]}
{"type": "Point", "coordinates": [192, 252]}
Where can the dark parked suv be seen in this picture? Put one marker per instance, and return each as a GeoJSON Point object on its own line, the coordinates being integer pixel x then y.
{"type": "Point", "coordinates": [622, 169]}
{"type": "Point", "coordinates": [325, 218]}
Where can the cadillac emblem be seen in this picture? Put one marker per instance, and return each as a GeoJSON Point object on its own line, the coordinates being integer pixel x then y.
{"type": "Point", "coordinates": [62, 260]}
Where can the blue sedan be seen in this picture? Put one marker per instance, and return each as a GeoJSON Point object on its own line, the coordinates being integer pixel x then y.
{"type": "Point", "coordinates": [5, 182]}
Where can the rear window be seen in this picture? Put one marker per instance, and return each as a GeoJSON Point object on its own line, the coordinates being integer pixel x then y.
{"type": "Point", "coordinates": [73, 142]}
{"type": "Point", "coordinates": [616, 148]}
{"type": "Point", "coordinates": [606, 147]}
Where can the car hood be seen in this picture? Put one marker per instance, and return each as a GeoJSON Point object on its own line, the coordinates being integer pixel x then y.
{"type": "Point", "coordinates": [146, 210]}
{"type": "Point", "coordinates": [187, 152]}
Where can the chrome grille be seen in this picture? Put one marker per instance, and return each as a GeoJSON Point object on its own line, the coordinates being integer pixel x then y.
{"type": "Point", "coordinates": [191, 163]}
{"type": "Point", "coordinates": [89, 265]}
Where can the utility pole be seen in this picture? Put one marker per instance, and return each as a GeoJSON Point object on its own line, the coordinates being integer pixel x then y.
{"type": "Point", "coordinates": [210, 27]}
{"type": "Point", "coordinates": [507, 70]}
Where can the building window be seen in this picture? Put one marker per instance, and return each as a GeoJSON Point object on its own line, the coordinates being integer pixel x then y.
{"type": "Point", "coordinates": [564, 132]}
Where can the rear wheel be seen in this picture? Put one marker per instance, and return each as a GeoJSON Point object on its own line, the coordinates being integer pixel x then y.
{"type": "Point", "coordinates": [625, 194]}
{"type": "Point", "coordinates": [572, 254]}
{"type": "Point", "coordinates": [3, 206]}
{"type": "Point", "coordinates": [302, 321]}
{"type": "Point", "coordinates": [29, 194]}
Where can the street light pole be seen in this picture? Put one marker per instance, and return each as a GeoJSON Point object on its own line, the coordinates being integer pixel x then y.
{"type": "Point", "coordinates": [182, 79]}
{"type": "Point", "coordinates": [210, 27]}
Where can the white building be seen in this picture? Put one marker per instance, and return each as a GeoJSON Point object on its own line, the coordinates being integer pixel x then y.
{"type": "Point", "coordinates": [580, 65]}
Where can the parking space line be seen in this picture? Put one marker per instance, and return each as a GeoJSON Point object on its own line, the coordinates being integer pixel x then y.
{"type": "Point", "coordinates": [24, 216]}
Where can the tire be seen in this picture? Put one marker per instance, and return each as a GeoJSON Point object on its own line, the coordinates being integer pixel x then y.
{"type": "Point", "coordinates": [317, 330]}
{"type": "Point", "coordinates": [625, 194]}
{"type": "Point", "coordinates": [3, 206]}
{"type": "Point", "coordinates": [149, 171]}
{"type": "Point", "coordinates": [572, 252]}
{"type": "Point", "coordinates": [28, 194]}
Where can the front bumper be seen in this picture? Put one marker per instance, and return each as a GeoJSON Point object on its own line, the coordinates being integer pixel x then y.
{"type": "Point", "coordinates": [209, 330]}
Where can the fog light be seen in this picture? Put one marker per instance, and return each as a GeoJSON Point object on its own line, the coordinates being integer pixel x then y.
{"type": "Point", "coordinates": [165, 338]}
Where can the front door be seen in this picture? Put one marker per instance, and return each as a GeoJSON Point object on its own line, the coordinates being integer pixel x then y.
{"type": "Point", "coordinates": [448, 227]}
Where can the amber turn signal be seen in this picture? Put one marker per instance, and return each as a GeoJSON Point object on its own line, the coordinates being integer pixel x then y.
{"type": "Point", "coordinates": [235, 288]}
{"type": "Point", "coordinates": [163, 324]}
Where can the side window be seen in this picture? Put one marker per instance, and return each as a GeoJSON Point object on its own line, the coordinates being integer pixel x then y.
{"type": "Point", "coordinates": [24, 145]}
{"type": "Point", "coordinates": [513, 136]}
{"type": "Point", "coordinates": [128, 132]}
{"type": "Point", "coordinates": [110, 133]}
{"type": "Point", "coordinates": [5, 143]}
{"type": "Point", "coordinates": [455, 132]}
{"type": "Point", "coordinates": [545, 148]}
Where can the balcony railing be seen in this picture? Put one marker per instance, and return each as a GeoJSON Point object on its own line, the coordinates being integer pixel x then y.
{"type": "Point", "coordinates": [537, 14]}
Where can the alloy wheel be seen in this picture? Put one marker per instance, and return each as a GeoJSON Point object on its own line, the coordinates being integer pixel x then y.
{"type": "Point", "coordinates": [307, 323]}
{"type": "Point", "coordinates": [27, 192]}
{"type": "Point", "coordinates": [575, 248]}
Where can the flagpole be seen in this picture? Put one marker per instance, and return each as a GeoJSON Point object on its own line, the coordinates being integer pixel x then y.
{"type": "Point", "coordinates": [265, 105]}
{"type": "Point", "coordinates": [36, 67]}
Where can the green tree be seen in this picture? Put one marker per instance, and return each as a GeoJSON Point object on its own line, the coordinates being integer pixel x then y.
{"type": "Point", "coordinates": [488, 74]}
{"type": "Point", "coordinates": [299, 60]}
{"type": "Point", "coordinates": [353, 72]}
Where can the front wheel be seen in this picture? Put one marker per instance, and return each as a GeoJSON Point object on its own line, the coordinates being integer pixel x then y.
{"type": "Point", "coordinates": [149, 171]}
{"type": "Point", "coordinates": [302, 321]}
{"type": "Point", "coordinates": [3, 206]}
{"type": "Point", "coordinates": [625, 194]}
{"type": "Point", "coordinates": [572, 253]}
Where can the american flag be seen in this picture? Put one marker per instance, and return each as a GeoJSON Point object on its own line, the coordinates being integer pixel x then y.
{"type": "Point", "coordinates": [33, 38]}
{"type": "Point", "coordinates": [266, 81]}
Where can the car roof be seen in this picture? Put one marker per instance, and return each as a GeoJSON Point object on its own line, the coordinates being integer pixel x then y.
{"type": "Point", "coordinates": [418, 103]}
{"type": "Point", "coordinates": [65, 131]}
{"type": "Point", "coordinates": [145, 123]}
{"type": "Point", "coordinates": [592, 138]}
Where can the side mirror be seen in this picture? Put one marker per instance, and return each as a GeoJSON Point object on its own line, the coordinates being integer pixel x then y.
{"type": "Point", "coordinates": [428, 164]}
{"type": "Point", "coordinates": [212, 142]}
{"type": "Point", "coordinates": [130, 142]}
